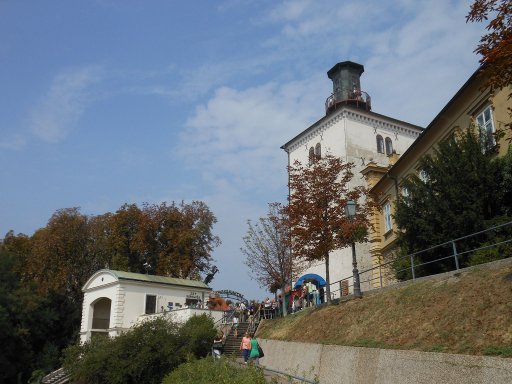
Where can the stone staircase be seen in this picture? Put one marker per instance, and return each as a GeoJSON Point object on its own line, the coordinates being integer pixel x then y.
{"type": "Point", "coordinates": [232, 343]}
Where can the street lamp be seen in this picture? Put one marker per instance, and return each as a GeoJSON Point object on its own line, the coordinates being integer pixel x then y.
{"type": "Point", "coordinates": [350, 210]}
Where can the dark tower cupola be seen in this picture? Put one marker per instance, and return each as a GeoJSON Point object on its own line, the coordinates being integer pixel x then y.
{"type": "Point", "coordinates": [346, 87]}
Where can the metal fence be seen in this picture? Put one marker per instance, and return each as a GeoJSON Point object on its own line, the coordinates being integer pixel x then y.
{"type": "Point", "coordinates": [448, 256]}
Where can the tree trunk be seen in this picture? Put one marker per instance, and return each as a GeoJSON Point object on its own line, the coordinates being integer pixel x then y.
{"type": "Point", "coordinates": [327, 279]}
{"type": "Point", "coordinates": [285, 304]}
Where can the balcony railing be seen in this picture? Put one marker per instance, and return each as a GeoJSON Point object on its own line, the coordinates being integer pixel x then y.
{"type": "Point", "coordinates": [354, 97]}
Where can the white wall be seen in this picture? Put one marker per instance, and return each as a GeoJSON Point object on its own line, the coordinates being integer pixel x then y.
{"type": "Point", "coordinates": [351, 135]}
{"type": "Point", "coordinates": [129, 300]}
{"type": "Point", "coordinates": [182, 315]}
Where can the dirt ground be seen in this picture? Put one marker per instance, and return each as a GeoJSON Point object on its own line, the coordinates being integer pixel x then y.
{"type": "Point", "coordinates": [470, 313]}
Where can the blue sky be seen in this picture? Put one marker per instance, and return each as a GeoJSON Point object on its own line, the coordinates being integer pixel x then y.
{"type": "Point", "coordinates": [109, 102]}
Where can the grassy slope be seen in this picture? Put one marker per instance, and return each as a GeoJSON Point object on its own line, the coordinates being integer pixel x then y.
{"type": "Point", "coordinates": [470, 313]}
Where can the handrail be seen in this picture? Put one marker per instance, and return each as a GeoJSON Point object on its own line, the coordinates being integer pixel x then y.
{"type": "Point", "coordinates": [455, 255]}
{"type": "Point", "coordinates": [286, 374]}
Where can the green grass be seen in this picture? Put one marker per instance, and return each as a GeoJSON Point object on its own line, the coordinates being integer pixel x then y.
{"type": "Point", "coordinates": [465, 313]}
{"type": "Point", "coordinates": [496, 350]}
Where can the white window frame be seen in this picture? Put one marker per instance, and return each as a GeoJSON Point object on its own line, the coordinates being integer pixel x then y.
{"type": "Point", "coordinates": [423, 175]}
{"type": "Point", "coordinates": [485, 123]}
{"type": "Point", "coordinates": [388, 222]}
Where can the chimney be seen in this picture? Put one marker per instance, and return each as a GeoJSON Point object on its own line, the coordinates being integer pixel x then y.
{"type": "Point", "coordinates": [346, 87]}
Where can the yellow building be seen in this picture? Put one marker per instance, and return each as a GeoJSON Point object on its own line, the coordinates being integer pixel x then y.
{"type": "Point", "coordinates": [472, 104]}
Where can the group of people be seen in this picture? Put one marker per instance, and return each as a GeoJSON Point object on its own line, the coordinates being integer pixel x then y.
{"type": "Point", "coordinates": [307, 295]}
{"type": "Point", "coordinates": [251, 351]}
{"type": "Point", "coordinates": [269, 309]}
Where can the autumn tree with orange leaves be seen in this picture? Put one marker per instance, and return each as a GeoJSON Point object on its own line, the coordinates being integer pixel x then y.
{"type": "Point", "coordinates": [173, 240]}
{"type": "Point", "coordinates": [318, 221]}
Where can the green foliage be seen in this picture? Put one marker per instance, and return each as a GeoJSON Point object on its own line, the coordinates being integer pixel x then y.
{"type": "Point", "coordinates": [142, 355]}
{"type": "Point", "coordinates": [26, 319]}
{"type": "Point", "coordinates": [175, 240]}
{"type": "Point", "coordinates": [491, 249]}
{"type": "Point", "coordinates": [206, 371]}
{"type": "Point", "coordinates": [197, 334]}
{"type": "Point", "coordinates": [41, 293]}
{"type": "Point", "coordinates": [462, 189]}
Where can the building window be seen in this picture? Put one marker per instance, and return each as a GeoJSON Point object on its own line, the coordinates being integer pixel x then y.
{"type": "Point", "coordinates": [405, 194]}
{"type": "Point", "coordinates": [389, 146]}
{"type": "Point", "coordinates": [388, 224]}
{"type": "Point", "coordinates": [380, 144]}
{"type": "Point", "coordinates": [311, 155]}
{"type": "Point", "coordinates": [150, 304]}
{"type": "Point", "coordinates": [423, 175]}
{"type": "Point", "coordinates": [486, 125]}
{"type": "Point", "coordinates": [318, 151]}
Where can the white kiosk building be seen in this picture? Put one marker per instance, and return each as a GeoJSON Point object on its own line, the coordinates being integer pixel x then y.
{"type": "Point", "coordinates": [353, 132]}
{"type": "Point", "coordinates": [114, 301]}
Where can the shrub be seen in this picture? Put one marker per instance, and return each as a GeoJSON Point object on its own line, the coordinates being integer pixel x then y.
{"type": "Point", "coordinates": [197, 334]}
{"type": "Point", "coordinates": [206, 371]}
{"type": "Point", "coordinates": [145, 354]}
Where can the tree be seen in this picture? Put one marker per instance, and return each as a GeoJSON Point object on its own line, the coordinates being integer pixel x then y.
{"type": "Point", "coordinates": [59, 260]}
{"type": "Point", "coordinates": [495, 46]}
{"type": "Point", "coordinates": [318, 221]}
{"type": "Point", "coordinates": [32, 325]}
{"type": "Point", "coordinates": [267, 251]}
{"type": "Point", "coordinates": [462, 188]}
{"type": "Point", "coordinates": [169, 240]}
{"type": "Point", "coordinates": [185, 239]}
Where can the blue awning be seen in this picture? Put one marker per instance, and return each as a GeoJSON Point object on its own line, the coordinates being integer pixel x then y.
{"type": "Point", "coordinates": [319, 280]}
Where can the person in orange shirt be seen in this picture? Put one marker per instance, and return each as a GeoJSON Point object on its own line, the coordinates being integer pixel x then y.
{"type": "Point", "coordinates": [245, 346]}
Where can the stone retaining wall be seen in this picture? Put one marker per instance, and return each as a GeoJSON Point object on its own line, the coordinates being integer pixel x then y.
{"type": "Point", "coordinates": [333, 364]}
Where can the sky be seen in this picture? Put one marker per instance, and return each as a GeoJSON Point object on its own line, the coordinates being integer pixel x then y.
{"type": "Point", "coordinates": [106, 102]}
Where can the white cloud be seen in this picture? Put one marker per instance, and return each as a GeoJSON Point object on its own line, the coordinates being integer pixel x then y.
{"type": "Point", "coordinates": [414, 68]}
{"type": "Point", "coordinates": [64, 103]}
{"type": "Point", "coordinates": [235, 137]}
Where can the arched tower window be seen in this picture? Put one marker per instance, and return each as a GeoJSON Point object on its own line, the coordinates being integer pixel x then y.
{"type": "Point", "coordinates": [389, 146]}
{"type": "Point", "coordinates": [380, 144]}
{"type": "Point", "coordinates": [311, 155]}
{"type": "Point", "coordinates": [318, 151]}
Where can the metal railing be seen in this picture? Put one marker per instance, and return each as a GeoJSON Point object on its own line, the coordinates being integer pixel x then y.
{"type": "Point", "coordinates": [453, 255]}
{"type": "Point", "coordinates": [291, 378]}
{"type": "Point", "coordinates": [348, 96]}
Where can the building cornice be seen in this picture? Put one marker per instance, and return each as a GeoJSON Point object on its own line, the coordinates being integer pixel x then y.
{"type": "Point", "coordinates": [377, 121]}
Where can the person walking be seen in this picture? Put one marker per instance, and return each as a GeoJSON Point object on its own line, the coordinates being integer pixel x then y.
{"type": "Point", "coordinates": [245, 347]}
{"type": "Point", "coordinates": [218, 345]}
{"type": "Point", "coordinates": [254, 355]}
{"type": "Point", "coordinates": [251, 324]}
{"type": "Point", "coordinates": [235, 325]}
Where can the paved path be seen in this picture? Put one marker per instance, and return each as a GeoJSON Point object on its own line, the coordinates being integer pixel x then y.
{"type": "Point", "coordinates": [269, 375]}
